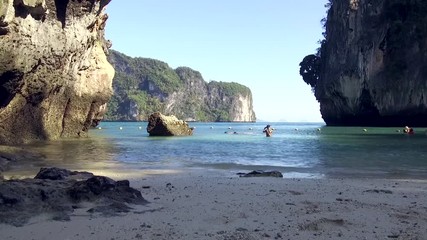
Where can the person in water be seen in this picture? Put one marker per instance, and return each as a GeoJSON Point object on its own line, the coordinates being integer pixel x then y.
{"type": "Point", "coordinates": [408, 130]}
{"type": "Point", "coordinates": [268, 131]}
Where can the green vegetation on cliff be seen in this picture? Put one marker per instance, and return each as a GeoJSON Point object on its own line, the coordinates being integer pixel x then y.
{"type": "Point", "coordinates": [311, 64]}
{"type": "Point", "coordinates": [230, 88]}
{"type": "Point", "coordinates": [144, 73]}
{"type": "Point", "coordinates": [143, 86]}
{"type": "Point", "coordinates": [310, 69]}
{"type": "Point", "coordinates": [133, 79]}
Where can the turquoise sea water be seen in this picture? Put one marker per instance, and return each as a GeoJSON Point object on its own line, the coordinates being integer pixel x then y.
{"type": "Point", "coordinates": [296, 149]}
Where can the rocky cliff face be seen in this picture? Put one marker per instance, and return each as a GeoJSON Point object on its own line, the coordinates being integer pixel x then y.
{"type": "Point", "coordinates": [373, 64]}
{"type": "Point", "coordinates": [54, 75]}
{"type": "Point", "coordinates": [230, 101]}
{"type": "Point", "coordinates": [143, 86]}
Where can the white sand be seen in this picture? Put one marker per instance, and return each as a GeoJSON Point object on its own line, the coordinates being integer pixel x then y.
{"type": "Point", "coordinates": [220, 205]}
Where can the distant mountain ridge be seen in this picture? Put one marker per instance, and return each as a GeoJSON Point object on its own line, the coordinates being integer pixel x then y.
{"type": "Point", "coordinates": [143, 86]}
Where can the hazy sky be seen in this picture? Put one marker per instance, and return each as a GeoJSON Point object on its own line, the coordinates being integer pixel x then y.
{"type": "Point", "coordinates": [257, 43]}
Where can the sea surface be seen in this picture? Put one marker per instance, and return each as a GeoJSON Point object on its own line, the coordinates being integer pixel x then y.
{"type": "Point", "coordinates": [306, 150]}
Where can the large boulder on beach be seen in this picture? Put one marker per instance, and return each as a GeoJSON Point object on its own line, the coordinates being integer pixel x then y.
{"type": "Point", "coordinates": [161, 125]}
{"type": "Point", "coordinates": [54, 73]}
{"type": "Point", "coordinates": [56, 192]}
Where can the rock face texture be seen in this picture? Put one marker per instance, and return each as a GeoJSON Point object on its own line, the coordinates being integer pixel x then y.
{"type": "Point", "coordinates": [54, 74]}
{"type": "Point", "coordinates": [58, 192]}
{"type": "Point", "coordinates": [143, 86]}
{"type": "Point", "coordinates": [161, 125]}
{"type": "Point", "coordinates": [260, 173]}
{"type": "Point", "coordinates": [373, 64]}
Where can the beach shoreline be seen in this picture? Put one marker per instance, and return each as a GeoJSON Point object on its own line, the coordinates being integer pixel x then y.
{"type": "Point", "coordinates": [213, 204]}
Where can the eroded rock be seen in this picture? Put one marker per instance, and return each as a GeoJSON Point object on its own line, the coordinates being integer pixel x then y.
{"type": "Point", "coordinates": [54, 75]}
{"type": "Point", "coordinates": [161, 125]}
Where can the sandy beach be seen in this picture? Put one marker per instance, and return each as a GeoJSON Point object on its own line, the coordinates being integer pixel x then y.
{"type": "Point", "coordinates": [220, 205]}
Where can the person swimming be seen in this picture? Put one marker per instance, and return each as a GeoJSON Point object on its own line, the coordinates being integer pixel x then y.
{"type": "Point", "coordinates": [408, 130]}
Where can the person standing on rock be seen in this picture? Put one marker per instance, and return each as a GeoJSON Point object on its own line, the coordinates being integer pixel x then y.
{"type": "Point", "coordinates": [268, 131]}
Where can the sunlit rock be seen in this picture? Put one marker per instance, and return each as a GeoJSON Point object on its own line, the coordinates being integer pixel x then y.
{"type": "Point", "coordinates": [161, 125]}
{"type": "Point", "coordinates": [54, 74]}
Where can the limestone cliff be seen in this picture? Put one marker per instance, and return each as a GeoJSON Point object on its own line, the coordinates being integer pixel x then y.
{"type": "Point", "coordinates": [143, 86]}
{"type": "Point", "coordinates": [54, 75]}
{"type": "Point", "coordinates": [373, 63]}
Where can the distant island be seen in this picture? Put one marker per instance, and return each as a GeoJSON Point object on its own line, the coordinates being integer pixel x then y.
{"type": "Point", "coordinates": [142, 86]}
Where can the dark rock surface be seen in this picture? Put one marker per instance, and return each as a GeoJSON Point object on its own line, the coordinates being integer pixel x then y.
{"type": "Point", "coordinates": [57, 193]}
{"type": "Point", "coordinates": [61, 174]}
{"type": "Point", "coordinates": [373, 64]}
{"type": "Point", "coordinates": [161, 125]}
{"type": "Point", "coordinates": [259, 173]}
{"type": "Point", "coordinates": [54, 74]}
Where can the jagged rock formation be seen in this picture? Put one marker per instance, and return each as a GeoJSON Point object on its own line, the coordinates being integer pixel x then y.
{"type": "Point", "coordinates": [161, 125]}
{"type": "Point", "coordinates": [54, 75]}
{"type": "Point", "coordinates": [373, 64]}
{"type": "Point", "coordinates": [143, 86]}
{"type": "Point", "coordinates": [58, 192]}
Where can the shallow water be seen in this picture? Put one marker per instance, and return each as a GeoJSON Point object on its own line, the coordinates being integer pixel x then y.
{"type": "Point", "coordinates": [297, 149]}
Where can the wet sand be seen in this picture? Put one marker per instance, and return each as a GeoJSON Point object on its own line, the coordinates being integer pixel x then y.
{"type": "Point", "coordinates": [220, 205]}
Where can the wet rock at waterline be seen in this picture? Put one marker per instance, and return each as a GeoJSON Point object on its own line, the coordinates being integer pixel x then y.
{"type": "Point", "coordinates": [161, 125]}
{"type": "Point", "coordinates": [260, 173]}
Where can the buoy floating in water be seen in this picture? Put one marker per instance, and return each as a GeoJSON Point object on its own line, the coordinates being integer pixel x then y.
{"type": "Point", "coordinates": [120, 128]}
{"type": "Point", "coordinates": [140, 128]}
{"type": "Point", "coordinates": [99, 128]}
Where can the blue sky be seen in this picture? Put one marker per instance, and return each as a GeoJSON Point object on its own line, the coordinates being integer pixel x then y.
{"type": "Point", "coordinates": [255, 43]}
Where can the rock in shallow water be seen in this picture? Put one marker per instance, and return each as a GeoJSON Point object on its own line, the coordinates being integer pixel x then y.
{"type": "Point", "coordinates": [161, 125]}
